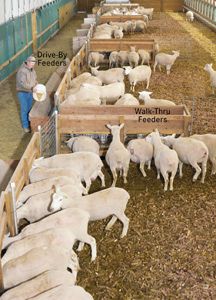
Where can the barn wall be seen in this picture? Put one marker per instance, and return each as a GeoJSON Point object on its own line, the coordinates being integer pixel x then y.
{"type": "Point", "coordinates": [158, 5]}
{"type": "Point", "coordinates": [23, 35]}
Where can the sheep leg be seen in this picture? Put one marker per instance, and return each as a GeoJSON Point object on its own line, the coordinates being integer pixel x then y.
{"type": "Point", "coordinates": [125, 172]}
{"type": "Point", "coordinates": [168, 68]}
{"type": "Point", "coordinates": [180, 169]}
{"type": "Point", "coordinates": [172, 179]}
{"type": "Point", "coordinates": [80, 247]}
{"type": "Point", "coordinates": [125, 221]}
{"type": "Point", "coordinates": [159, 67]}
{"type": "Point", "coordinates": [88, 239]}
{"type": "Point", "coordinates": [213, 161]}
{"type": "Point", "coordinates": [101, 175]}
{"type": "Point", "coordinates": [158, 173]}
{"type": "Point", "coordinates": [197, 168]}
{"type": "Point", "coordinates": [155, 65]}
{"type": "Point", "coordinates": [148, 81]}
{"type": "Point", "coordinates": [74, 264]}
{"type": "Point", "coordinates": [114, 174]}
{"type": "Point", "coordinates": [111, 222]}
{"type": "Point", "coordinates": [88, 184]}
{"type": "Point", "coordinates": [149, 164]}
{"type": "Point", "coordinates": [142, 169]}
{"type": "Point", "coordinates": [166, 180]}
{"type": "Point", "coordinates": [203, 171]}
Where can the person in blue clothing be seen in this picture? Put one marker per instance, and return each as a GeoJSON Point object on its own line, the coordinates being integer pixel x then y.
{"type": "Point", "coordinates": [26, 80]}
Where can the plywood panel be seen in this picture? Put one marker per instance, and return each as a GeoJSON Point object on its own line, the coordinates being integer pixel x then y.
{"type": "Point", "coordinates": [65, 14]}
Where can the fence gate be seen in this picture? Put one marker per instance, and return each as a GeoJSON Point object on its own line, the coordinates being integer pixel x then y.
{"type": "Point", "coordinates": [48, 136]}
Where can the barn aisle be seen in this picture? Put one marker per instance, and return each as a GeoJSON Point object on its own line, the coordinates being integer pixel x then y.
{"type": "Point", "coordinates": [12, 139]}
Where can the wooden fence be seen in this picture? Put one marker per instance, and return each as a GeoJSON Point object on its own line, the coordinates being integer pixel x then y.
{"type": "Point", "coordinates": [19, 179]}
{"type": "Point", "coordinates": [137, 119]}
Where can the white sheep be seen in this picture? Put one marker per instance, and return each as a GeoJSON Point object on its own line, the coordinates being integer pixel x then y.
{"type": "Point", "coordinates": [83, 97]}
{"type": "Point", "coordinates": [35, 262]}
{"type": "Point", "coordinates": [138, 74]}
{"type": "Point", "coordinates": [95, 58]}
{"type": "Point", "coordinates": [141, 152]}
{"type": "Point", "coordinates": [167, 60]}
{"type": "Point", "coordinates": [83, 143]}
{"type": "Point", "coordinates": [87, 164]}
{"type": "Point", "coordinates": [166, 160]}
{"type": "Point", "coordinates": [39, 284]}
{"type": "Point", "coordinates": [109, 76]}
{"type": "Point", "coordinates": [190, 151]}
{"type": "Point", "coordinates": [145, 11]}
{"type": "Point", "coordinates": [140, 26]}
{"type": "Point", "coordinates": [73, 218]}
{"type": "Point", "coordinates": [65, 292]}
{"type": "Point", "coordinates": [43, 186]}
{"type": "Point", "coordinates": [111, 92]}
{"type": "Point", "coordinates": [40, 173]}
{"type": "Point", "coordinates": [37, 206]}
{"type": "Point", "coordinates": [148, 101]}
{"type": "Point", "coordinates": [189, 16]}
{"type": "Point", "coordinates": [91, 80]}
{"type": "Point", "coordinates": [77, 81]}
{"type": "Point", "coordinates": [99, 205]}
{"type": "Point", "coordinates": [133, 57]}
{"type": "Point", "coordinates": [210, 141]}
{"type": "Point", "coordinates": [208, 68]}
{"type": "Point", "coordinates": [127, 99]}
{"type": "Point", "coordinates": [117, 156]}
{"type": "Point", "coordinates": [118, 33]}
{"type": "Point", "coordinates": [113, 59]}
{"type": "Point", "coordinates": [144, 56]}
{"type": "Point", "coordinates": [48, 238]}
{"type": "Point", "coordinates": [123, 58]}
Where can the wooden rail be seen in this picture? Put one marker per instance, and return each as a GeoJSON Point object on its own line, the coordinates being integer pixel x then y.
{"type": "Point", "coordinates": [105, 45]}
{"type": "Point", "coordinates": [137, 119]}
{"type": "Point", "coordinates": [119, 18]}
{"type": "Point", "coordinates": [20, 178]}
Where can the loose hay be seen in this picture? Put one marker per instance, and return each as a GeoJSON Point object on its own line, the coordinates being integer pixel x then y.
{"type": "Point", "coordinates": [169, 252]}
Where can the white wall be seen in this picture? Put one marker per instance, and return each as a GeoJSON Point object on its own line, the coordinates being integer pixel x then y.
{"type": "Point", "coordinates": [13, 8]}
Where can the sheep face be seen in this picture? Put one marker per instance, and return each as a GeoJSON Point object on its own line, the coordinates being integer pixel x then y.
{"type": "Point", "coordinates": [57, 201]}
{"type": "Point", "coordinates": [127, 70]}
{"type": "Point", "coordinates": [115, 129]}
{"type": "Point", "coordinates": [144, 94]}
{"type": "Point", "coordinates": [177, 53]}
{"type": "Point", "coordinates": [207, 67]}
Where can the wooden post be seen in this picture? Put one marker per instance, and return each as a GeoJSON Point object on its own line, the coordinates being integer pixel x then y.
{"type": "Point", "coordinates": [9, 212]}
{"type": "Point", "coordinates": [2, 232]}
{"type": "Point", "coordinates": [122, 132]}
{"type": "Point", "coordinates": [26, 170]}
{"type": "Point", "coordinates": [34, 30]}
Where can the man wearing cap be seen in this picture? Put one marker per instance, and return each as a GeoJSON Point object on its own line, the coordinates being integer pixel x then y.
{"type": "Point", "coordinates": [26, 80]}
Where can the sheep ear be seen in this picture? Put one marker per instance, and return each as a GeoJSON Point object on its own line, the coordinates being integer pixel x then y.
{"type": "Point", "coordinates": [211, 64]}
{"type": "Point", "coordinates": [97, 67]}
{"type": "Point", "coordinates": [173, 135]}
{"type": "Point", "coordinates": [156, 130]}
{"type": "Point", "coordinates": [108, 126]}
{"type": "Point", "coordinates": [122, 125]}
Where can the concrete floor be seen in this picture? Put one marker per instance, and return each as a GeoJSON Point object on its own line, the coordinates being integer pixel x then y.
{"type": "Point", "coordinates": [13, 141]}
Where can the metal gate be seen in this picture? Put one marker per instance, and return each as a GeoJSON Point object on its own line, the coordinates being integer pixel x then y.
{"type": "Point", "coordinates": [49, 136]}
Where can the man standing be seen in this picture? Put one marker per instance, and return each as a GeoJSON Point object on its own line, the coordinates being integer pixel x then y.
{"type": "Point", "coordinates": [26, 80]}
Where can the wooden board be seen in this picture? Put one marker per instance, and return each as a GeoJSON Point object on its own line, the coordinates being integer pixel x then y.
{"type": "Point", "coordinates": [121, 110]}
{"type": "Point", "coordinates": [119, 18]}
{"type": "Point", "coordinates": [105, 45]}
{"type": "Point", "coordinates": [134, 124]}
{"type": "Point", "coordinates": [34, 31]}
